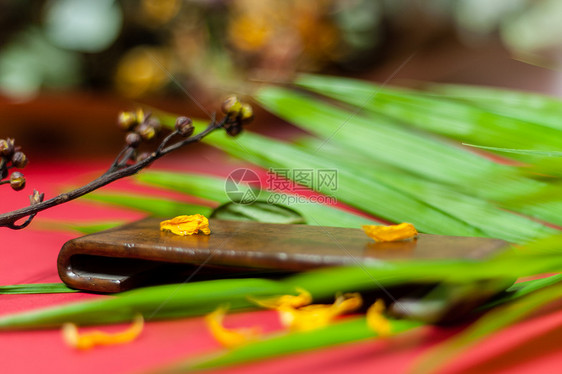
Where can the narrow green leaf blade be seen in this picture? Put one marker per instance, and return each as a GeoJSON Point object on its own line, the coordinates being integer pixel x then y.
{"type": "Point", "coordinates": [354, 329]}
{"type": "Point", "coordinates": [493, 321]}
{"type": "Point", "coordinates": [527, 106]}
{"type": "Point", "coordinates": [159, 207]}
{"type": "Point", "coordinates": [35, 288]}
{"type": "Point", "coordinates": [530, 152]}
{"type": "Point", "coordinates": [446, 117]}
{"type": "Point", "coordinates": [522, 289]}
{"type": "Point", "coordinates": [158, 302]}
{"type": "Point", "coordinates": [259, 211]}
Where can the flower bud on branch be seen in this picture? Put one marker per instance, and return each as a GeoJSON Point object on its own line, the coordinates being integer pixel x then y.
{"type": "Point", "coordinates": [17, 181]}
{"type": "Point", "coordinates": [7, 147]}
{"type": "Point", "coordinates": [184, 126]}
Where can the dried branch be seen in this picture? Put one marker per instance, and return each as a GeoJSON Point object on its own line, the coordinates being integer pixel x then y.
{"type": "Point", "coordinates": [127, 162]}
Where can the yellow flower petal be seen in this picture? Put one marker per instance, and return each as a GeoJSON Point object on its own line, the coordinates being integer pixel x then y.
{"type": "Point", "coordinates": [230, 338]}
{"type": "Point", "coordinates": [186, 225]}
{"type": "Point", "coordinates": [302, 299]}
{"type": "Point", "coordinates": [316, 316]}
{"type": "Point", "coordinates": [391, 233]}
{"type": "Point", "coordinates": [348, 302]}
{"type": "Point", "coordinates": [89, 340]}
{"type": "Point", "coordinates": [377, 321]}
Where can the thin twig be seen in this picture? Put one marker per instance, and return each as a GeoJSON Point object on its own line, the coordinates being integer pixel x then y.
{"type": "Point", "coordinates": [119, 169]}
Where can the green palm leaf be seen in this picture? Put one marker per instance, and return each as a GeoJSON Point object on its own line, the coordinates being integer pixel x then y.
{"type": "Point", "coordinates": [381, 139]}
{"type": "Point", "coordinates": [530, 107]}
{"type": "Point", "coordinates": [454, 119]}
{"type": "Point", "coordinates": [482, 214]}
{"type": "Point", "coordinates": [432, 208]}
{"type": "Point", "coordinates": [485, 179]}
{"type": "Point", "coordinates": [357, 190]}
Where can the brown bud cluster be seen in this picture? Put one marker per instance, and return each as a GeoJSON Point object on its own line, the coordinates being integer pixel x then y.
{"type": "Point", "coordinates": [12, 157]}
{"type": "Point", "coordinates": [141, 127]}
{"type": "Point", "coordinates": [239, 114]}
{"type": "Point", "coordinates": [139, 123]}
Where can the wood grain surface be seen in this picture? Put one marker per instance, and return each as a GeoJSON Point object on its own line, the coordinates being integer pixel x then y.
{"type": "Point", "coordinates": [122, 258]}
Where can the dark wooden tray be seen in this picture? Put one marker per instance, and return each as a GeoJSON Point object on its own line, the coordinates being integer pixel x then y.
{"type": "Point", "coordinates": [138, 253]}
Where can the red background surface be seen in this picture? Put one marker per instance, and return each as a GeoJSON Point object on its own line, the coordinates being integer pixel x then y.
{"type": "Point", "coordinates": [29, 256]}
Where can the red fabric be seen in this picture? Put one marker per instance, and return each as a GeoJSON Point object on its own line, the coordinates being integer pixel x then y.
{"type": "Point", "coordinates": [29, 256]}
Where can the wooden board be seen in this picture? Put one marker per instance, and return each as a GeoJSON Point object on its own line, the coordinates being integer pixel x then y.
{"type": "Point", "coordinates": [119, 259]}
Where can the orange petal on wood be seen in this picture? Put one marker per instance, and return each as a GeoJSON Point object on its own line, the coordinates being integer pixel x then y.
{"type": "Point", "coordinates": [186, 225]}
{"type": "Point", "coordinates": [402, 231]}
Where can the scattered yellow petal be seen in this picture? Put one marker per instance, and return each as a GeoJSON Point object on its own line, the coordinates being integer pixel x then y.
{"type": "Point", "coordinates": [316, 316]}
{"type": "Point", "coordinates": [186, 225]}
{"type": "Point", "coordinates": [302, 299]}
{"type": "Point", "coordinates": [348, 302]}
{"type": "Point", "coordinates": [230, 338]}
{"type": "Point", "coordinates": [376, 320]}
{"type": "Point", "coordinates": [391, 233]}
{"type": "Point", "coordinates": [89, 340]}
